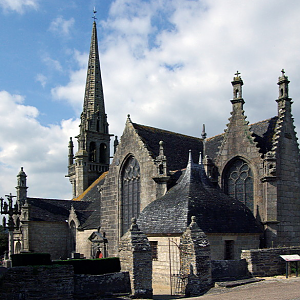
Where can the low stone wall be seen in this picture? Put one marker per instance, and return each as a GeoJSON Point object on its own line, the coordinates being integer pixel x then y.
{"type": "Point", "coordinates": [37, 282]}
{"type": "Point", "coordinates": [267, 262]}
{"type": "Point", "coordinates": [93, 286]}
{"type": "Point", "coordinates": [59, 283]}
{"type": "Point", "coordinates": [229, 270]}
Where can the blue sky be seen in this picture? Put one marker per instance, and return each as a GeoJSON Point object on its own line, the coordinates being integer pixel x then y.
{"type": "Point", "coordinates": [167, 63]}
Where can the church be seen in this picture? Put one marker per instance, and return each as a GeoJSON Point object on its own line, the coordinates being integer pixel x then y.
{"type": "Point", "coordinates": [242, 185]}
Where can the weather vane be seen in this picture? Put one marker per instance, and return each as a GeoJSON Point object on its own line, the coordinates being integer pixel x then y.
{"type": "Point", "coordinates": [94, 17]}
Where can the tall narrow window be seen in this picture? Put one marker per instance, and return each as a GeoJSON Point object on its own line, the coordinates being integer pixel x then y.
{"type": "Point", "coordinates": [130, 192]}
{"type": "Point", "coordinates": [238, 182]}
{"type": "Point", "coordinates": [103, 153]}
{"type": "Point", "coordinates": [92, 152]}
{"type": "Point", "coordinates": [153, 245]}
{"type": "Point", "coordinates": [228, 249]}
{"type": "Point", "coordinates": [73, 236]}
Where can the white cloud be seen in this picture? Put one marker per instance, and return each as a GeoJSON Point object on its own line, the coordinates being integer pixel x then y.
{"type": "Point", "coordinates": [42, 79]}
{"type": "Point", "coordinates": [52, 63]}
{"type": "Point", "coordinates": [42, 151]}
{"type": "Point", "coordinates": [19, 5]}
{"type": "Point", "coordinates": [169, 64]}
{"type": "Point", "coordinates": [73, 92]}
{"type": "Point", "coordinates": [61, 26]}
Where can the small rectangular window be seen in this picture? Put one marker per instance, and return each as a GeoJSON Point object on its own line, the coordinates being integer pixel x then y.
{"type": "Point", "coordinates": [229, 250]}
{"type": "Point", "coordinates": [153, 245]}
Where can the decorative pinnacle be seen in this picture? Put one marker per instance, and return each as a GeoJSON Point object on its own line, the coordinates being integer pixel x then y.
{"type": "Point", "coordinates": [134, 226]}
{"type": "Point", "coordinates": [282, 72]}
{"type": "Point", "coordinates": [200, 159]}
{"type": "Point", "coordinates": [94, 11]}
{"type": "Point", "coordinates": [203, 134]}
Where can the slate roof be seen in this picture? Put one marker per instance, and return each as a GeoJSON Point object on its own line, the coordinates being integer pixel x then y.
{"type": "Point", "coordinates": [176, 146]}
{"type": "Point", "coordinates": [263, 132]}
{"type": "Point", "coordinates": [195, 195]}
{"type": "Point", "coordinates": [53, 210]}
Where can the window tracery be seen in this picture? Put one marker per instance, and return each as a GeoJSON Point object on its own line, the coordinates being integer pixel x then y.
{"type": "Point", "coordinates": [130, 192]}
{"type": "Point", "coordinates": [238, 182]}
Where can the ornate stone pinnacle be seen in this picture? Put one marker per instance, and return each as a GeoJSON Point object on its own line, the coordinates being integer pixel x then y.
{"type": "Point", "coordinates": [134, 226]}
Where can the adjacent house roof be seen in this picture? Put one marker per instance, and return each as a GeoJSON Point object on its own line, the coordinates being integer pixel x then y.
{"type": "Point", "coordinates": [53, 210]}
{"type": "Point", "coordinates": [176, 145]}
{"type": "Point", "coordinates": [195, 195]}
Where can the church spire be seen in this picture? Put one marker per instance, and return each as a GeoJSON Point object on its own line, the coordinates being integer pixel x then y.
{"type": "Point", "coordinates": [93, 117]}
{"type": "Point", "coordinates": [92, 157]}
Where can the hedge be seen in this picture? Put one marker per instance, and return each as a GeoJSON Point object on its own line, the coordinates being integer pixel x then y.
{"type": "Point", "coordinates": [30, 259]}
{"type": "Point", "coordinates": [93, 266]}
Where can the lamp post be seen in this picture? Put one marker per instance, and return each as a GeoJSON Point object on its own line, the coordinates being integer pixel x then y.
{"type": "Point", "coordinates": [7, 208]}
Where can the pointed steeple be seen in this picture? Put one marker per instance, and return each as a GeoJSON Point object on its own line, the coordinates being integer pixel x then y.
{"type": "Point", "coordinates": [93, 117]}
{"type": "Point", "coordinates": [92, 157]}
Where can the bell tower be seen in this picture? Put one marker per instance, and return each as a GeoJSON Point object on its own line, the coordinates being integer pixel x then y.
{"type": "Point", "coordinates": [92, 157]}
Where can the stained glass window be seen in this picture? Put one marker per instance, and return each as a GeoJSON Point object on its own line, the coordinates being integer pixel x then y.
{"type": "Point", "coordinates": [130, 192]}
{"type": "Point", "coordinates": [238, 182]}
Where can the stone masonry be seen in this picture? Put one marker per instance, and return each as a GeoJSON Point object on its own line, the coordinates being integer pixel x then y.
{"type": "Point", "coordinates": [267, 262]}
{"type": "Point", "coordinates": [135, 256]}
{"type": "Point", "coordinates": [195, 260]}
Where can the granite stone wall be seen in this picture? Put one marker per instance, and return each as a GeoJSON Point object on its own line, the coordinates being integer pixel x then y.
{"type": "Point", "coordinates": [93, 286]}
{"type": "Point", "coordinates": [229, 269]}
{"type": "Point", "coordinates": [59, 283]}
{"type": "Point", "coordinates": [44, 237]}
{"type": "Point", "coordinates": [37, 283]}
{"type": "Point", "coordinates": [130, 145]}
{"type": "Point", "coordinates": [267, 262]}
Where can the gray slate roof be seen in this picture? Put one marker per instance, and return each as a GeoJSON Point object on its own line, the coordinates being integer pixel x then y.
{"type": "Point", "coordinates": [195, 195]}
{"type": "Point", "coordinates": [176, 145]}
{"type": "Point", "coordinates": [54, 210]}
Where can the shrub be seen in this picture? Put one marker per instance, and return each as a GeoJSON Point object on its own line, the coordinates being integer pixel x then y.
{"type": "Point", "coordinates": [93, 266]}
{"type": "Point", "coordinates": [30, 259]}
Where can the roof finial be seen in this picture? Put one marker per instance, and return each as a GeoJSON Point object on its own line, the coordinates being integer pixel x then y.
{"type": "Point", "coordinates": [203, 134]}
{"type": "Point", "coordinates": [200, 158]}
{"type": "Point", "coordinates": [94, 17]}
{"type": "Point", "coordinates": [237, 73]}
{"type": "Point", "coordinates": [190, 161]}
{"type": "Point", "coordinates": [282, 72]}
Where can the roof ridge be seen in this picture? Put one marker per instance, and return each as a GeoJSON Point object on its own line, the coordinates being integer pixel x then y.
{"type": "Point", "coordinates": [167, 131]}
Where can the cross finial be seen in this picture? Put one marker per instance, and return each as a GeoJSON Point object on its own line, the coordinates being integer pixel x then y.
{"type": "Point", "coordinates": [282, 71]}
{"type": "Point", "coordinates": [94, 11]}
{"type": "Point", "coordinates": [237, 73]}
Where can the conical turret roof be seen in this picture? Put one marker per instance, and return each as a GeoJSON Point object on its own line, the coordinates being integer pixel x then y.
{"type": "Point", "coordinates": [195, 195]}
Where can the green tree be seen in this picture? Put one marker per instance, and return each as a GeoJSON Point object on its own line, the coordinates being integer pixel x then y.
{"type": "Point", "coordinates": [3, 240]}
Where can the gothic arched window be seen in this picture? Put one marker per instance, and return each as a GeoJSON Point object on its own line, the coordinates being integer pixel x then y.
{"type": "Point", "coordinates": [130, 192]}
{"type": "Point", "coordinates": [238, 182]}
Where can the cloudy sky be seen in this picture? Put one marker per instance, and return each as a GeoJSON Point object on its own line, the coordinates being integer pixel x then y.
{"type": "Point", "coordinates": [169, 64]}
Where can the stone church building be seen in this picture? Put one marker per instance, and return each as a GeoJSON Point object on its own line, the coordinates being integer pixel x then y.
{"type": "Point", "coordinates": [243, 185]}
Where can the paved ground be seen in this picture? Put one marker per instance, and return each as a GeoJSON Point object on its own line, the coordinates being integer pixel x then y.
{"type": "Point", "coordinates": [274, 288]}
